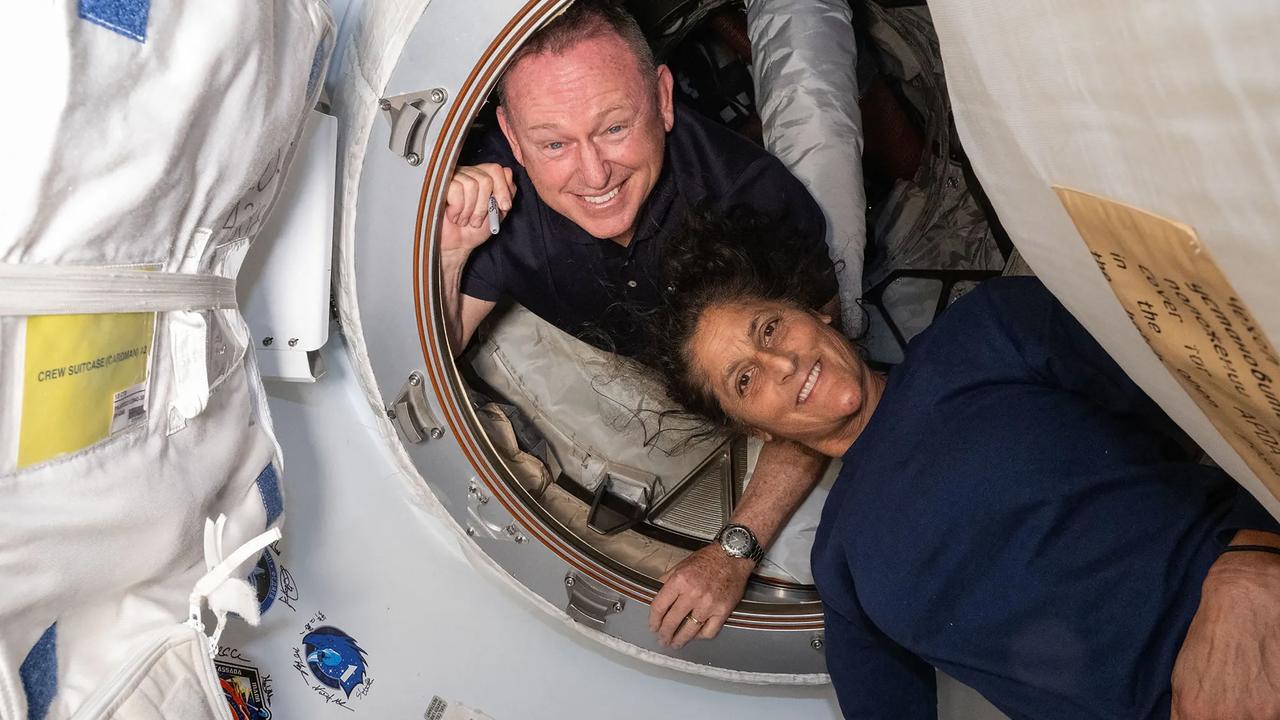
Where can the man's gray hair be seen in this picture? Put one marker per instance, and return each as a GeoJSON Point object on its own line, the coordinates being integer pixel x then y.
{"type": "Point", "coordinates": [585, 20]}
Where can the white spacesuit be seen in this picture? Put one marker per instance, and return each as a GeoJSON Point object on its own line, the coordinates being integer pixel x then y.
{"type": "Point", "coordinates": [148, 145]}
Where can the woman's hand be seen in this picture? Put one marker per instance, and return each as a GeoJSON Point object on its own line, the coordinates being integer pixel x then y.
{"type": "Point", "coordinates": [697, 596]}
{"type": "Point", "coordinates": [1229, 664]}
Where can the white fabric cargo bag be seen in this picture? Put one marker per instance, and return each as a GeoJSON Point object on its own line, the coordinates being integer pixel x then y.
{"type": "Point", "coordinates": [1126, 142]}
{"type": "Point", "coordinates": [144, 146]}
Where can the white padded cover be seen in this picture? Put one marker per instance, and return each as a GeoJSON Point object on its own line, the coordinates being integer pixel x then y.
{"type": "Point", "coordinates": [1168, 107]}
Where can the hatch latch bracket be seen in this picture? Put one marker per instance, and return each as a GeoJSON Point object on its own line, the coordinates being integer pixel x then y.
{"type": "Point", "coordinates": [411, 413]}
{"type": "Point", "coordinates": [410, 115]}
{"type": "Point", "coordinates": [589, 602]}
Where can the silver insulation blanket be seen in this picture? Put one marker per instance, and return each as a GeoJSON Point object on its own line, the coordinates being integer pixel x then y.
{"type": "Point", "coordinates": [803, 63]}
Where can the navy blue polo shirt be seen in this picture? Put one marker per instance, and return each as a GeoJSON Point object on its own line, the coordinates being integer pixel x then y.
{"type": "Point", "coordinates": [598, 290]}
{"type": "Point", "coordinates": [1019, 514]}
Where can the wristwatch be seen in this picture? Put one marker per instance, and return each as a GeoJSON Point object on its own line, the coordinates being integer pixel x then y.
{"type": "Point", "coordinates": [739, 542]}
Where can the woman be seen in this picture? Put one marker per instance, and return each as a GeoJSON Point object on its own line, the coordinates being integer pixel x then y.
{"type": "Point", "coordinates": [1012, 509]}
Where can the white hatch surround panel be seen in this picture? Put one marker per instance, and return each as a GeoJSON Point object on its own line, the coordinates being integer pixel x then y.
{"type": "Point", "coordinates": [388, 300]}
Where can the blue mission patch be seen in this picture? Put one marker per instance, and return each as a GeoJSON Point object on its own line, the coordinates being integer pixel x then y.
{"type": "Point", "coordinates": [334, 658]}
{"type": "Point", "coordinates": [265, 581]}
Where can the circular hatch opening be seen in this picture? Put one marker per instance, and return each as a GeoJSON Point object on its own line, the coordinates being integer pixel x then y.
{"type": "Point", "coordinates": [565, 518]}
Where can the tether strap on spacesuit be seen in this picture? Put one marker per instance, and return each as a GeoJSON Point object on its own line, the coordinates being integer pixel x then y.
{"type": "Point", "coordinates": [226, 593]}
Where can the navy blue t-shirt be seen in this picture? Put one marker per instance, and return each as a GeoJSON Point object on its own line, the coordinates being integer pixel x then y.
{"type": "Point", "coordinates": [598, 290]}
{"type": "Point", "coordinates": [1019, 514]}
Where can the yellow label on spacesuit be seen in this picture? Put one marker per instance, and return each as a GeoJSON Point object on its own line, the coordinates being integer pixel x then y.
{"type": "Point", "coordinates": [84, 378]}
{"type": "Point", "coordinates": [1193, 319]}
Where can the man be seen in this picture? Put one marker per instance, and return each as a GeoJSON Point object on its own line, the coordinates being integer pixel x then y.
{"type": "Point", "coordinates": [594, 167]}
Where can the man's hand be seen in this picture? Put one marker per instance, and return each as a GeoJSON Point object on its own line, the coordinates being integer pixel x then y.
{"type": "Point", "coordinates": [1229, 664]}
{"type": "Point", "coordinates": [466, 212]}
{"type": "Point", "coordinates": [464, 228]}
{"type": "Point", "coordinates": [707, 585]}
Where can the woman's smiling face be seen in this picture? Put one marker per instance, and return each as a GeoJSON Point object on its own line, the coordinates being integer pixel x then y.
{"type": "Point", "coordinates": [781, 370]}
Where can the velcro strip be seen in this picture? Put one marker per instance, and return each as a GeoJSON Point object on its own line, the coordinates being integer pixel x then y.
{"type": "Point", "coordinates": [126, 17]}
{"type": "Point", "coordinates": [269, 489]}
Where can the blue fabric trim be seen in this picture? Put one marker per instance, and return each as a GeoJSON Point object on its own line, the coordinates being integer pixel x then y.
{"type": "Point", "coordinates": [269, 489]}
{"type": "Point", "coordinates": [126, 17]}
{"type": "Point", "coordinates": [39, 673]}
{"type": "Point", "coordinates": [317, 64]}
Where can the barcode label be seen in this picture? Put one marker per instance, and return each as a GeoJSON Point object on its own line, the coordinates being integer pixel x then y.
{"type": "Point", "coordinates": [129, 406]}
{"type": "Point", "coordinates": [435, 711]}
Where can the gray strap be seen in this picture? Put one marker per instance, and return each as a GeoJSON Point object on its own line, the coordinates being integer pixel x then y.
{"type": "Point", "coordinates": [63, 290]}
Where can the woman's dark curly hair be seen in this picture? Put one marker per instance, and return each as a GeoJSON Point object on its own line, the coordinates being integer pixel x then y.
{"type": "Point", "coordinates": [717, 257]}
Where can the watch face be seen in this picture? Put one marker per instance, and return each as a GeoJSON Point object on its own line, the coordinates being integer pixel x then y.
{"type": "Point", "coordinates": [737, 541]}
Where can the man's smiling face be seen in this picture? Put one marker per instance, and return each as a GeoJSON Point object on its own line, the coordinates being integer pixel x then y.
{"type": "Point", "coordinates": [589, 126]}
